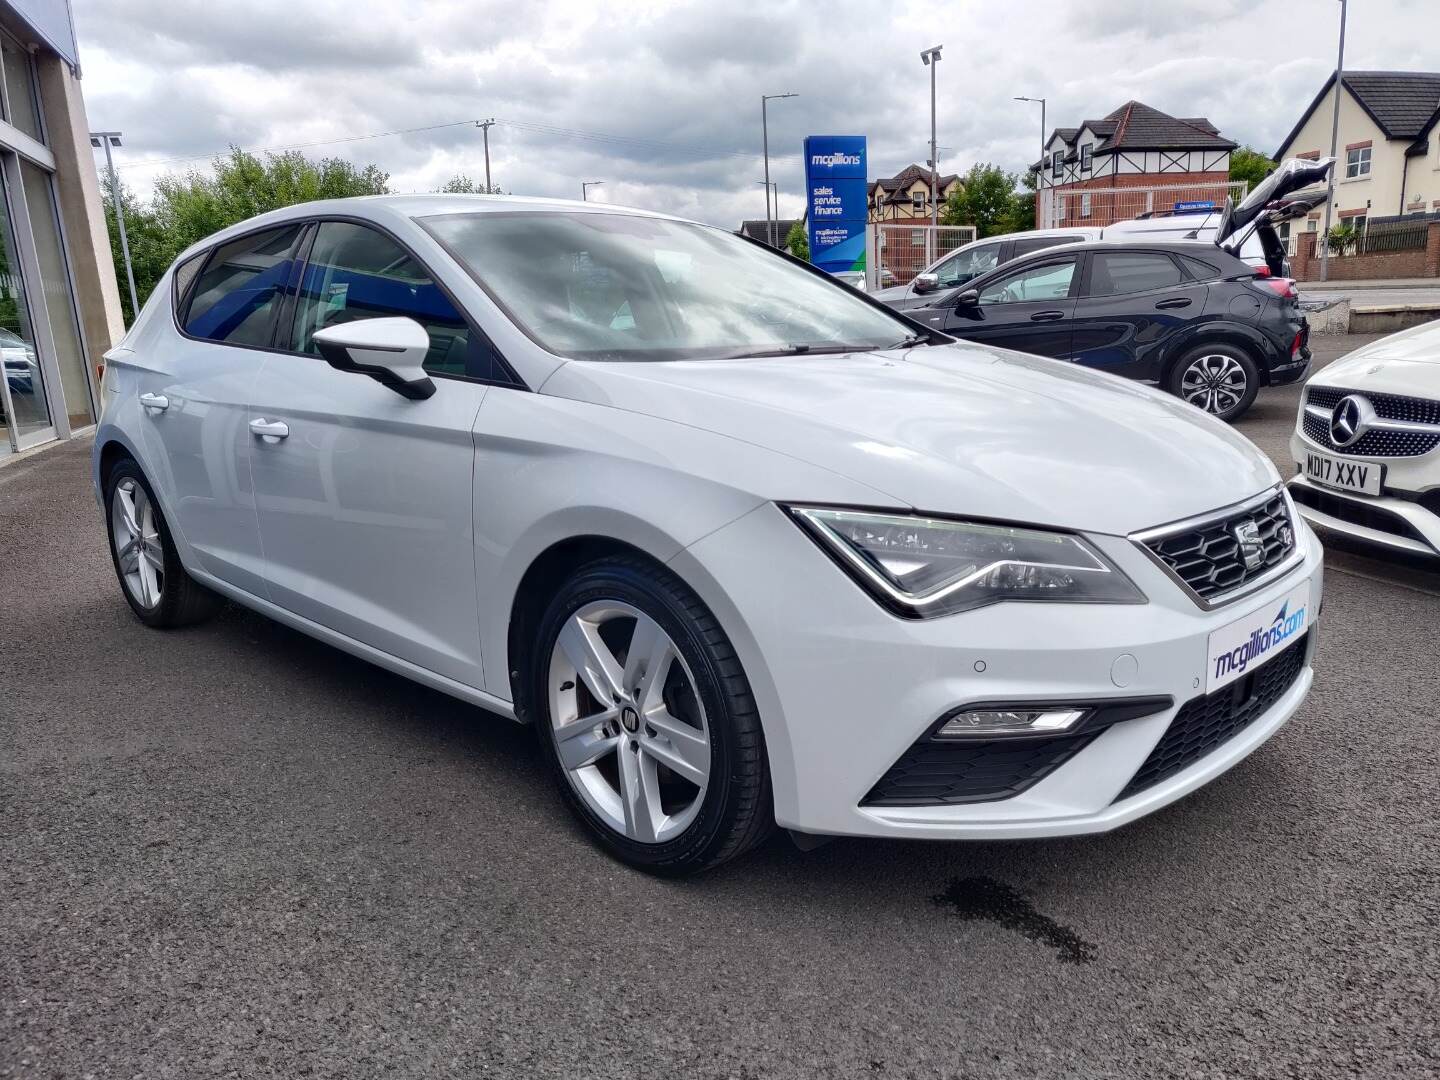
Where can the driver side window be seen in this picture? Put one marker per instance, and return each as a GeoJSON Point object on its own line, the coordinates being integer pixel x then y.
{"type": "Point", "coordinates": [1050, 281]}
{"type": "Point", "coordinates": [968, 264]}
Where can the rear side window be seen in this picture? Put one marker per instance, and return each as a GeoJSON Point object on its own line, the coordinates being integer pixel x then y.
{"type": "Point", "coordinates": [1120, 272]}
{"type": "Point", "coordinates": [355, 272]}
{"type": "Point", "coordinates": [235, 295]}
{"type": "Point", "coordinates": [185, 275]}
{"type": "Point", "coordinates": [1199, 269]}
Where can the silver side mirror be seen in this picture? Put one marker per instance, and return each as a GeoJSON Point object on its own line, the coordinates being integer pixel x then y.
{"type": "Point", "coordinates": [391, 351]}
{"type": "Point", "coordinates": [924, 283]}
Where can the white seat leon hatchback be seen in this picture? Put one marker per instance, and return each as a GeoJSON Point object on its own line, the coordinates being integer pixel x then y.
{"type": "Point", "coordinates": [744, 547]}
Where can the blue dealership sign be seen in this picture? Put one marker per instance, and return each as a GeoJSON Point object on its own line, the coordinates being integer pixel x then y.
{"type": "Point", "coordinates": [836, 201]}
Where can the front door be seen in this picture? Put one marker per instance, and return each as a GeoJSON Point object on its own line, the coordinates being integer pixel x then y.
{"type": "Point", "coordinates": [1028, 309]}
{"type": "Point", "coordinates": [364, 496]}
{"type": "Point", "coordinates": [1130, 304]}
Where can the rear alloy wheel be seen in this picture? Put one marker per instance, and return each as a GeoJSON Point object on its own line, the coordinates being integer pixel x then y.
{"type": "Point", "coordinates": [648, 721]}
{"type": "Point", "coordinates": [1218, 379]}
{"type": "Point", "coordinates": [155, 585]}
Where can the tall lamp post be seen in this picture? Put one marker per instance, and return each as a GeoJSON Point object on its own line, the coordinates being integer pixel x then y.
{"type": "Point", "coordinates": [771, 188]}
{"type": "Point", "coordinates": [1334, 145]}
{"type": "Point", "coordinates": [765, 100]}
{"type": "Point", "coordinates": [585, 186]}
{"type": "Point", "coordinates": [1040, 173]}
{"type": "Point", "coordinates": [108, 139]}
{"type": "Point", "coordinates": [931, 59]}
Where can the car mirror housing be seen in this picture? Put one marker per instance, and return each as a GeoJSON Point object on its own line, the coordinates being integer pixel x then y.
{"type": "Point", "coordinates": [968, 298]}
{"type": "Point", "coordinates": [926, 283]}
{"type": "Point", "coordinates": [391, 351]}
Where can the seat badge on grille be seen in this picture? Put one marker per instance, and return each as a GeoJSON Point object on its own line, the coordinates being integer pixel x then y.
{"type": "Point", "coordinates": [1252, 548]}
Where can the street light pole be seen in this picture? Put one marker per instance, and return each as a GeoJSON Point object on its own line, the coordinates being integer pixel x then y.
{"type": "Point", "coordinates": [108, 139]}
{"type": "Point", "coordinates": [585, 186]}
{"type": "Point", "coordinates": [484, 126]}
{"type": "Point", "coordinates": [765, 100]}
{"type": "Point", "coordinates": [1040, 172]}
{"type": "Point", "coordinates": [1334, 145]}
{"type": "Point", "coordinates": [931, 59]}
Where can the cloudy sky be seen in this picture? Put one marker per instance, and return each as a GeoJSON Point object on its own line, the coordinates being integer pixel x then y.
{"type": "Point", "coordinates": [661, 100]}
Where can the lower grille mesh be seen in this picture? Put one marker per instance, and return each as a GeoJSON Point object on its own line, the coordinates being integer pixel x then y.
{"type": "Point", "coordinates": [934, 771]}
{"type": "Point", "coordinates": [1205, 723]}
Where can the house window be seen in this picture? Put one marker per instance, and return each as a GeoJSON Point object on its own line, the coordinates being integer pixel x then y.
{"type": "Point", "coordinates": [917, 201]}
{"type": "Point", "coordinates": [1087, 153]}
{"type": "Point", "coordinates": [917, 237]}
{"type": "Point", "coordinates": [1085, 205]}
{"type": "Point", "coordinates": [1357, 162]}
{"type": "Point", "coordinates": [1359, 223]}
{"type": "Point", "coordinates": [1057, 164]}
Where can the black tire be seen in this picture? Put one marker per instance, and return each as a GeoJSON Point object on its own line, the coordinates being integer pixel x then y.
{"type": "Point", "coordinates": [182, 600]}
{"type": "Point", "coordinates": [736, 811]}
{"type": "Point", "coordinates": [1213, 357]}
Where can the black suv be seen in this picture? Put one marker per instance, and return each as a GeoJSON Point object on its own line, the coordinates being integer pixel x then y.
{"type": "Point", "coordinates": [1183, 314]}
{"type": "Point", "coordinates": [1186, 314]}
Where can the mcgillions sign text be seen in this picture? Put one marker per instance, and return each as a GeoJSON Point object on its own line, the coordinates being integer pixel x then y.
{"type": "Point", "coordinates": [1284, 626]}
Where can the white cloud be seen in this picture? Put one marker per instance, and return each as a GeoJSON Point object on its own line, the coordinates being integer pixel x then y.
{"type": "Point", "coordinates": [661, 100]}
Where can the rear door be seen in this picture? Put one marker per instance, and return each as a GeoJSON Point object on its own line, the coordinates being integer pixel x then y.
{"type": "Point", "coordinates": [1028, 308]}
{"type": "Point", "coordinates": [1130, 303]}
{"type": "Point", "coordinates": [365, 498]}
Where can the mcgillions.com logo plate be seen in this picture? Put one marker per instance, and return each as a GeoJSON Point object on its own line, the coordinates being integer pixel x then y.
{"type": "Point", "coordinates": [1249, 642]}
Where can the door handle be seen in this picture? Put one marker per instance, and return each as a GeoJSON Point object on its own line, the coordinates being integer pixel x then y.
{"type": "Point", "coordinates": [1174, 302]}
{"type": "Point", "coordinates": [1047, 316]}
{"type": "Point", "coordinates": [158, 402]}
{"type": "Point", "coordinates": [269, 430]}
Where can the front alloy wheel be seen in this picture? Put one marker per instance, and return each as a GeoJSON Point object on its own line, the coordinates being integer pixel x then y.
{"type": "Point", "coordinates": [647, 719]}
{"type": "Point", "coordinates": [139, 557]}
{"type": "Point", "coordinates": [1217, 379]}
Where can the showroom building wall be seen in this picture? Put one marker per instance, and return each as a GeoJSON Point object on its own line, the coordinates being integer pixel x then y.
{"type": "Point", "coordinates": [59, 302]}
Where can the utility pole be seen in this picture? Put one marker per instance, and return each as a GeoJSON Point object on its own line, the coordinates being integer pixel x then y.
{"type": "Point", "coordinates": [765, 99]}
{"type": "Point", "coordinates": [1334, 145]}
{"type": "Point", "coordinates": [108, 139]}
{"type": "Point", "coordinates": [484, 126]}
{"type": "Point", "coordinates": [1040, 173]}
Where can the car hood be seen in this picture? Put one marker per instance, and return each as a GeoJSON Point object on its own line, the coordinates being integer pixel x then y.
{"type": "Point", "coordinates": [955, 429]}
{"type": "Point", "coordinates": [889, 294]}
{"type": "Point", "coordinates": [1403, 363]}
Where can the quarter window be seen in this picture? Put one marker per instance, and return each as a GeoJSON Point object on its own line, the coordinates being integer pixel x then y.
{"type": "Point", "coordinates": [234, 297]}
{"type": "Point", "coordinates": [1113, 274]}
{"type": "Point", "coordinates": [355, 272]}
{"type": "Point", "coordinates": [1048, 282]}
{"type": "Point", "coordinates": [1357, 162]}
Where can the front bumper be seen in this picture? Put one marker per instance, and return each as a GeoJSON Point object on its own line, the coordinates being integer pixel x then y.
{"type": "Point", "coordinates": [845, 689]}
{"type": "Point", "coordinates": [1396, 519]}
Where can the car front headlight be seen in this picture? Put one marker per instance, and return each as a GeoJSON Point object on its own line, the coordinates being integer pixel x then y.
{"type": "Point", "coordinates": [921, 567]}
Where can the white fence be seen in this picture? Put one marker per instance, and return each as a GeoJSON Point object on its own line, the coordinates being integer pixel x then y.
{"type": "Point", "coordinates": [1101, 206]}
{"type": "Point", "coordinates": [902, 249]}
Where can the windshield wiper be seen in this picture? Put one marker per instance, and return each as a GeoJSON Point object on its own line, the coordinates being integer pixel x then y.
{"type": "Point", "coordinates": [911, 341]}
{"type": "Point", "coordinates": [798, 348]}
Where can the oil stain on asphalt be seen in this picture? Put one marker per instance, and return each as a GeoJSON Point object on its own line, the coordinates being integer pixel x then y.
{"type": "Point", "coordinates": [985, 898]}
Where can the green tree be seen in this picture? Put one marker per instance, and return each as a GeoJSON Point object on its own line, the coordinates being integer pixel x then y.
{"type": "Point", "coordinates": [986, 199]}
{"type": "Point", "coordinates": [461, 184]}
{"type": "Point", "coordinates": [189, 207]}
{"type": "Point", "coordinates": [1249, 165]}
{"type": "Point", "coordinates": [797, 242]}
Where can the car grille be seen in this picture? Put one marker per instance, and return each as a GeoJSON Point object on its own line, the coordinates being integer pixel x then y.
{"type": "Point", "coordinates": [1207, 557]}
{"type": "Point", "coordinates": [934, 771]}
{"type": "Point", "coordinates": [1204, 724]}
{"type": "Point", "coordinates": [1375, 443]}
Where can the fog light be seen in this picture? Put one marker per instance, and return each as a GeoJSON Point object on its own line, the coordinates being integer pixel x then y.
{"type": "Point", "coordinates": [1009, 722]}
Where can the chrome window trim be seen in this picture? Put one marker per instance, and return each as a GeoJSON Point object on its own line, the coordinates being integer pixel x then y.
{"type": "Point", "coordinates": [1143, 538]}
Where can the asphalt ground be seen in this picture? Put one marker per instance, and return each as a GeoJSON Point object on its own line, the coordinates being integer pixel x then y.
{"type": "Point", "coordinates": [233, 851]}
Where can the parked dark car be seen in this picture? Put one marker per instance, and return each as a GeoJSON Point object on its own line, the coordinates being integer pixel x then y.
{"type": "Point", "coordinates": [1194, 319]}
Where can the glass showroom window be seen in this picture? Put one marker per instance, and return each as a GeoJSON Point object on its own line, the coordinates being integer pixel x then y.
{"type": "Point", "coordinates": [22, 106]}
{"type": "Point", "coordinates": [1357, 162]}
{"type": "Point", "coordinates": [26, 416]}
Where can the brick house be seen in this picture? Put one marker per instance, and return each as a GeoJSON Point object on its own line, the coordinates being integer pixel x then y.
{"type": "Point", "coordinates": [1388, 150]}
{"type": "Point", "coordinates": [1094, 174]}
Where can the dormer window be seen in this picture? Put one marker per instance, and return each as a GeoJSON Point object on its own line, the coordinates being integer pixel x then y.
{"type": "Point", "coordinates": [917, 201]}
{"type": "Point", "coordinates": [1057, 164]}
{"type": "Point", "coordinates": [1087, 154]}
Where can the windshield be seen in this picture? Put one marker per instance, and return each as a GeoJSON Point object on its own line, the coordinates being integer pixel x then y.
{"type": "Point", "coordinates": [601, 286]}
